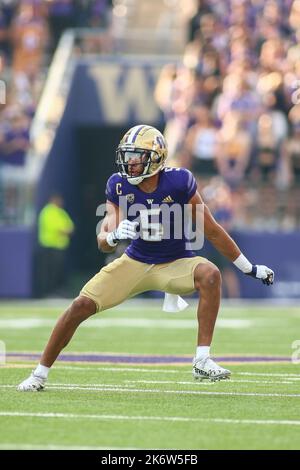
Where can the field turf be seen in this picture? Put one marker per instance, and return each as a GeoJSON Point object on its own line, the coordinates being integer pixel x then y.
{"type": "Point", "coordinates": [127, 380]}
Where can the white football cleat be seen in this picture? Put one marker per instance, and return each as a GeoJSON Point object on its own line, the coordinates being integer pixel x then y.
{"type": "Point", "coordinates": [208, 369]}
{"type": "Point", "coordinates": [34, 383]}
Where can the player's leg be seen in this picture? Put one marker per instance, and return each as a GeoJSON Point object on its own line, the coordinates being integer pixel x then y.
{"type": "Point", "coordinates": [80, 309]}
{"type": "Point", "coordinates": [186, 275]}
{"type": "Point", "coordinates": [182, 277]}
{"type": "Point", "coordinates": [207, 280]}
{"type": "Point", "coordinates": [99, 293]}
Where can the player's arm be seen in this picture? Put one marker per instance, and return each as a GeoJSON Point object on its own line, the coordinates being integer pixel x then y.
{"type": "Point", "coordinates": [223, 242]}
{"type": "Point", "coordinates": [213, 231]}
{"type": "Point", "coordinates": [109, 224]}
{"type": "Point", "coordinates": [113, 229]}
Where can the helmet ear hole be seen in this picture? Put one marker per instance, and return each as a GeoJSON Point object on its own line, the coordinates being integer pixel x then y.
{"type": "Point", "coordinates": [155, 158]}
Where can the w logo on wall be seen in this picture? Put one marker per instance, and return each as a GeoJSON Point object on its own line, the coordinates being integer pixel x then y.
{"type": "Point", "coordinates": [125, 90]}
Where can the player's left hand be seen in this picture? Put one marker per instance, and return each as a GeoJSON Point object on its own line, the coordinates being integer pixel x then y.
{"type": "Point", "coordinates": [265, 274]}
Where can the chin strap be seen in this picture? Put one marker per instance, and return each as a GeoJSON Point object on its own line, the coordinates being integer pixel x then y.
{"type": "Point", "coordinates": [174, 303]}
{"type": "Point", "coordinates": [135, 181]}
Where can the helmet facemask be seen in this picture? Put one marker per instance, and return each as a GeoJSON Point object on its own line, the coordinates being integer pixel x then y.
{"type": "Point", "coordinates": [136, 164]}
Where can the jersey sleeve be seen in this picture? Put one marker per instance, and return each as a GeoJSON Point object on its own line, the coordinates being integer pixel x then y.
{"type": "Point", "coordinates": [191, 185]}
{"type": "Point", "coordinates": [110, 191]}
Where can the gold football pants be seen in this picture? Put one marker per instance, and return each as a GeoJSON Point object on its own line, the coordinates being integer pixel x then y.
{"type": "Point", "coordinates": [126, 277]}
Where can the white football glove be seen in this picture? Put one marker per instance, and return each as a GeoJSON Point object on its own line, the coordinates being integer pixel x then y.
{"type": "Point", "coordinates": [262, 272]}
{"type": "Point", "coordinates": [126, 230]}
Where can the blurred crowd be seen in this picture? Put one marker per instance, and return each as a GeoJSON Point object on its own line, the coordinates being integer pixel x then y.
{"type": "Point", "coordinates": [29, 33]}
{"type": "Point", "coordinates": [232, 110]}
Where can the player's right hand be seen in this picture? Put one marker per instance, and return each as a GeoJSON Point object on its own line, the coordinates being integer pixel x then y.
{"type": "Point", "coordinates": [126, 230]}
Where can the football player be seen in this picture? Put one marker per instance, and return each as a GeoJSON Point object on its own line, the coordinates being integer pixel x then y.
{"type": "Point", "coordinates": [156, 259]}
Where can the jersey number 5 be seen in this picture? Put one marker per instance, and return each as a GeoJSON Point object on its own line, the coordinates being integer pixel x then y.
{"type": "Point", "coordinates": [150, 231]}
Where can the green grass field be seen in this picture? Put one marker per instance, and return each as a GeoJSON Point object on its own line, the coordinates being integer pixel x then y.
{"type": "Point", "coordinates": [117, 405]}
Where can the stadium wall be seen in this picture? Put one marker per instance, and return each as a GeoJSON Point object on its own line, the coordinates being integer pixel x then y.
{"type": "Point", "coordinates": [16, 258]}
{"type": "Point", "coordinates": [279, 251]}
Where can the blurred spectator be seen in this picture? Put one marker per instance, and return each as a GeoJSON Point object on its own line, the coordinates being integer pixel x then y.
{"type": "Point", "coordinates": [29, 37]}
{"type": "Point", "coordinates": [203, 8]}
{"type": "Point", "coordinates": [238, 96]}
{"type": "Point", "coordinates": [164, 89]}
{"type": "Point", "coordinates": [200, 144]}
{"type": "Point", "coordinates": [174, 92]}
{"type": "Point", "coordinates": [7, 10]}
{"type": "Point", "coordinates": [291, 154]}
{"type": "Point", "coordinates": [82, 12]}
{"type": "Point", "coordinates": [4, 73]}
{"type": "Point", "coordinates": [100, 13]}
{"type": "Point", "coordinates": [61, 16]}
{"type": "Point", "coordinates": [4, 43]}
{"type": "Point", "coordinates": [294, 17]}
{"type": "Point", "coordinates": [233, 149]}
{"type": "Point", "coordinates": [16, 139]}
{"type": "Point", "coordinates": [272, 129]}
{"type": "Point", "coordinates": [266, 150]}
{"type": "Point", "coordinates": [55, 228]}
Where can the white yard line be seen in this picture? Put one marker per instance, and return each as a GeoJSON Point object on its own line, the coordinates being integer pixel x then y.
{"type": "Point", "coordinates": [180, 371]}
{"type": "Point", "coordinates": [121, 389]}
{"type": "Point", "coordinates": [183, 392]}
{"type": "Point", "coordinates": [130, 383]}
{"type": "Point", "coordinates": [123, 369]}
{"type": "Point", "coordinates": [72, 385]}
{"type": "Point", "coordinates": [150, 418]}
{"type": "Point", "coordinates": [105, 369]}
{"type": "Point", "coordinates": [16, 446]}
{"type": "Point", "coordinates": [127, 383]}
{"type": "Point", "coordinates": [66, 386]}
{"type": "Point", "coordinates": [264, 374]}
{"type": "Point", "coordinates": [231, 381]}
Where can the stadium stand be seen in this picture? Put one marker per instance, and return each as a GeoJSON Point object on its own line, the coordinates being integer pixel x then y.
{"type": "Point", "coordinates": [29, 33]}
{"type": "Point", "coordinates": [233, 108]}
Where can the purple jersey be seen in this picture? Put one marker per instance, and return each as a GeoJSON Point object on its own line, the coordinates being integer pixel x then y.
{"type": "Point", "coordinates": [162, 238]}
